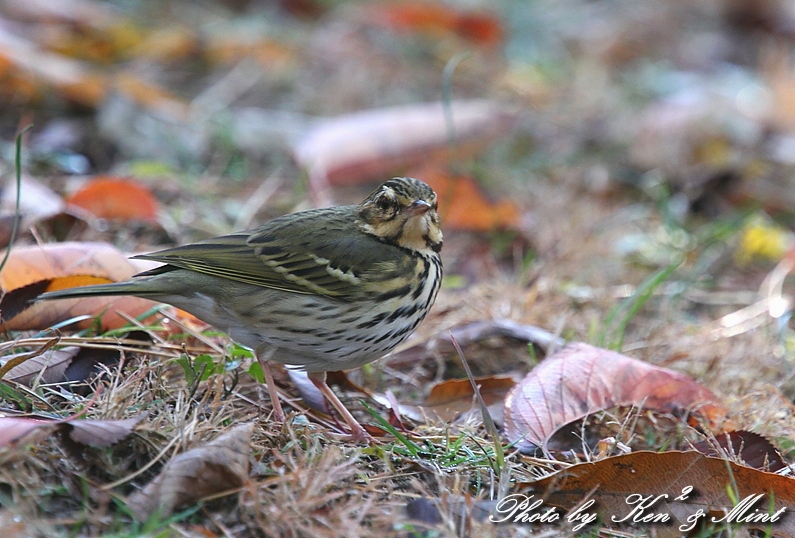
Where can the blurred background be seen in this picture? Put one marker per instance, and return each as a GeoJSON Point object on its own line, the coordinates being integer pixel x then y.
{"type": "Point", "coordinates": [577, 146]}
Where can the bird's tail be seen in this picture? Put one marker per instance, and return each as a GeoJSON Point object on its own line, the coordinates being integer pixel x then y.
{"type": "Point", "coordinates": [138, 288]}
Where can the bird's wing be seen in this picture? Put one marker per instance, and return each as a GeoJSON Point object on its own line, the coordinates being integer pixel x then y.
{"type": "Point", "coordinates": [295, 255]}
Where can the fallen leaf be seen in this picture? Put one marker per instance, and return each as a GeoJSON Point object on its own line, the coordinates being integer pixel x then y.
{"type": "Point", "coordinates": [36, 201]}
{"type": "Point", "coordinates": [74, 79]}
{"type": "Point", "coordinates": [49, 366]}
{"type": "Point", "coordinates": [231, 47]}
{"type": "Point", "coordinates": [20, 430]}
{"type": "Point", "coordinates": [32, 270]}
{"type": "Point", "coordinates": [680, 483]}
{"type": "Point", "coordinates": [436, 19]}
{"type": "Point", "coordinates": [427, 514]}
{"type": "Point", "coordinates": [473, 332]}
{"type": "Point", "coordinates": [309, 393]}
{"type": "Point", "coordinates": [220, 465]}
{"type": "Point", "coordinates": [580, 380]}
{"type": "Point", "coordinates": [167, 44]}
{"type": "Point", "coordinates": [463, 206]}
{"type": "Point", "coordinates": [449, 399]}
{"type": "Point", "coordinates": [109, 197]}
{"type": "Point", "coordinates": [100, 433]}
{"type": "Point", "coordinates": [749, 448]}
{"type": "Point", "coordinates": [370, 144]}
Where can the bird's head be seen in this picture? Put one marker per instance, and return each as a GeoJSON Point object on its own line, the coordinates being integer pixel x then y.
{"type": "Point", "coordinates": [403, 211]}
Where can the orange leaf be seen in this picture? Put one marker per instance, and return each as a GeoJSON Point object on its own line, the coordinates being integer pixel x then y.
{"type": "Point", "coordinates": [463, 206]}
{"type": "Point", "coordinates": [32, 270]}
{"type": "Point", "coordinates": [580, 380]}
{"type": "Point", "coordinates": [109, 197]}
{"type": "Point", "coordinates": [437, 18]}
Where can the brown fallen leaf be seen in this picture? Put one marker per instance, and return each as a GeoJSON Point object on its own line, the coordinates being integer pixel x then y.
{"type": "Point", "coordinates": [100, 433]}
{"type": "Point", "coordinates": [688, 487]}
{"type": "Point", "coordinates": [473, 332]}
{"type": "Point", "coordinates": [49, 366]}
{"type": "Point", "coordinates": [580, 380]}
{"type": "Point", "coordinates": [750, 448]}
{"type": "Point", "coordinates": [32, 270]}
{"type": "Point", "coordinates": [109, 197]}
{"type": "Point", "coordinates": [449, 399]}
{"type": "Point", "coordinates": [220, 465]}
{"type": "Point", "coordinates": [16, 432]}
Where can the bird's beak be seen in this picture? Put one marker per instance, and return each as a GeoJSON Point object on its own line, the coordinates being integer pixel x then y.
{"type": "Point", "coordinates": [420, 207]}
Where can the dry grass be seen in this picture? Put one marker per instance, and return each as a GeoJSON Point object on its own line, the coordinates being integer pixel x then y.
{"type": "Point", "coordinates": [577, 138]}
{"type": "Point", "coordinates": [307, 479]}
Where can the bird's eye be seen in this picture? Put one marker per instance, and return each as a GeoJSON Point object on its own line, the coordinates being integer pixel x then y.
{"type": "Point", "coordinates": [385, 204]}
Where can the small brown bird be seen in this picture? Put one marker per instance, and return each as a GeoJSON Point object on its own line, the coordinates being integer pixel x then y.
{"type": "Point", "coordinates": [322, 290]}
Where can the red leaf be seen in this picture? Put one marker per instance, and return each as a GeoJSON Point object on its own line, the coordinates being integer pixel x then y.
{"type": "Point", "coordinates": [580, 380]}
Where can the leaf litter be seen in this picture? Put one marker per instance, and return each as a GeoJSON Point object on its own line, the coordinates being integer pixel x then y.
{"type": "Point", "coordinates": [590, 167]}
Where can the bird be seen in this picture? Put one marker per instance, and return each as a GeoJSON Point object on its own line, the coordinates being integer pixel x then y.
{"type": "Point", "coordinates": [320, 290]}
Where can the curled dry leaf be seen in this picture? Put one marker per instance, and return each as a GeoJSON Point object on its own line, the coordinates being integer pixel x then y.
{"type": "Point", "coordinates": [110, 197]}
{"type": "Point", "coordinates": [452, 508]}
{"type": "Point", "coordinates": [580, 380]}
{"type": "Point", "coordinates": [366, 145]}
{"type": "Point", "coordinates": [313, 397]}
{"type": "Point", "coordinates": [18, 431]}
{"type": "Point", "coordinates": [687, 481]}
{"type": "Point", "coordinates": [100, 433]}
{"type": "Point", "coordinates": [49, 366]}
{"type": "Point", "coordinates": [33, 270]}
{"type": "Point", "coordinates": [218, 466]}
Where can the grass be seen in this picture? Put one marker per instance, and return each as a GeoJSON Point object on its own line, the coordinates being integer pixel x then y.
{"type": "Point", "coordinates": [306, 478]}
{"type": "Point", "coordinates": [563, 270]}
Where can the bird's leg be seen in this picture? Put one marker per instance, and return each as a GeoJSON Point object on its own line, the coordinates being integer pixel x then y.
{"type": "Point", "coordinates": [319, 380]}
{"type": "Point", "coordinates": [265, 366]}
